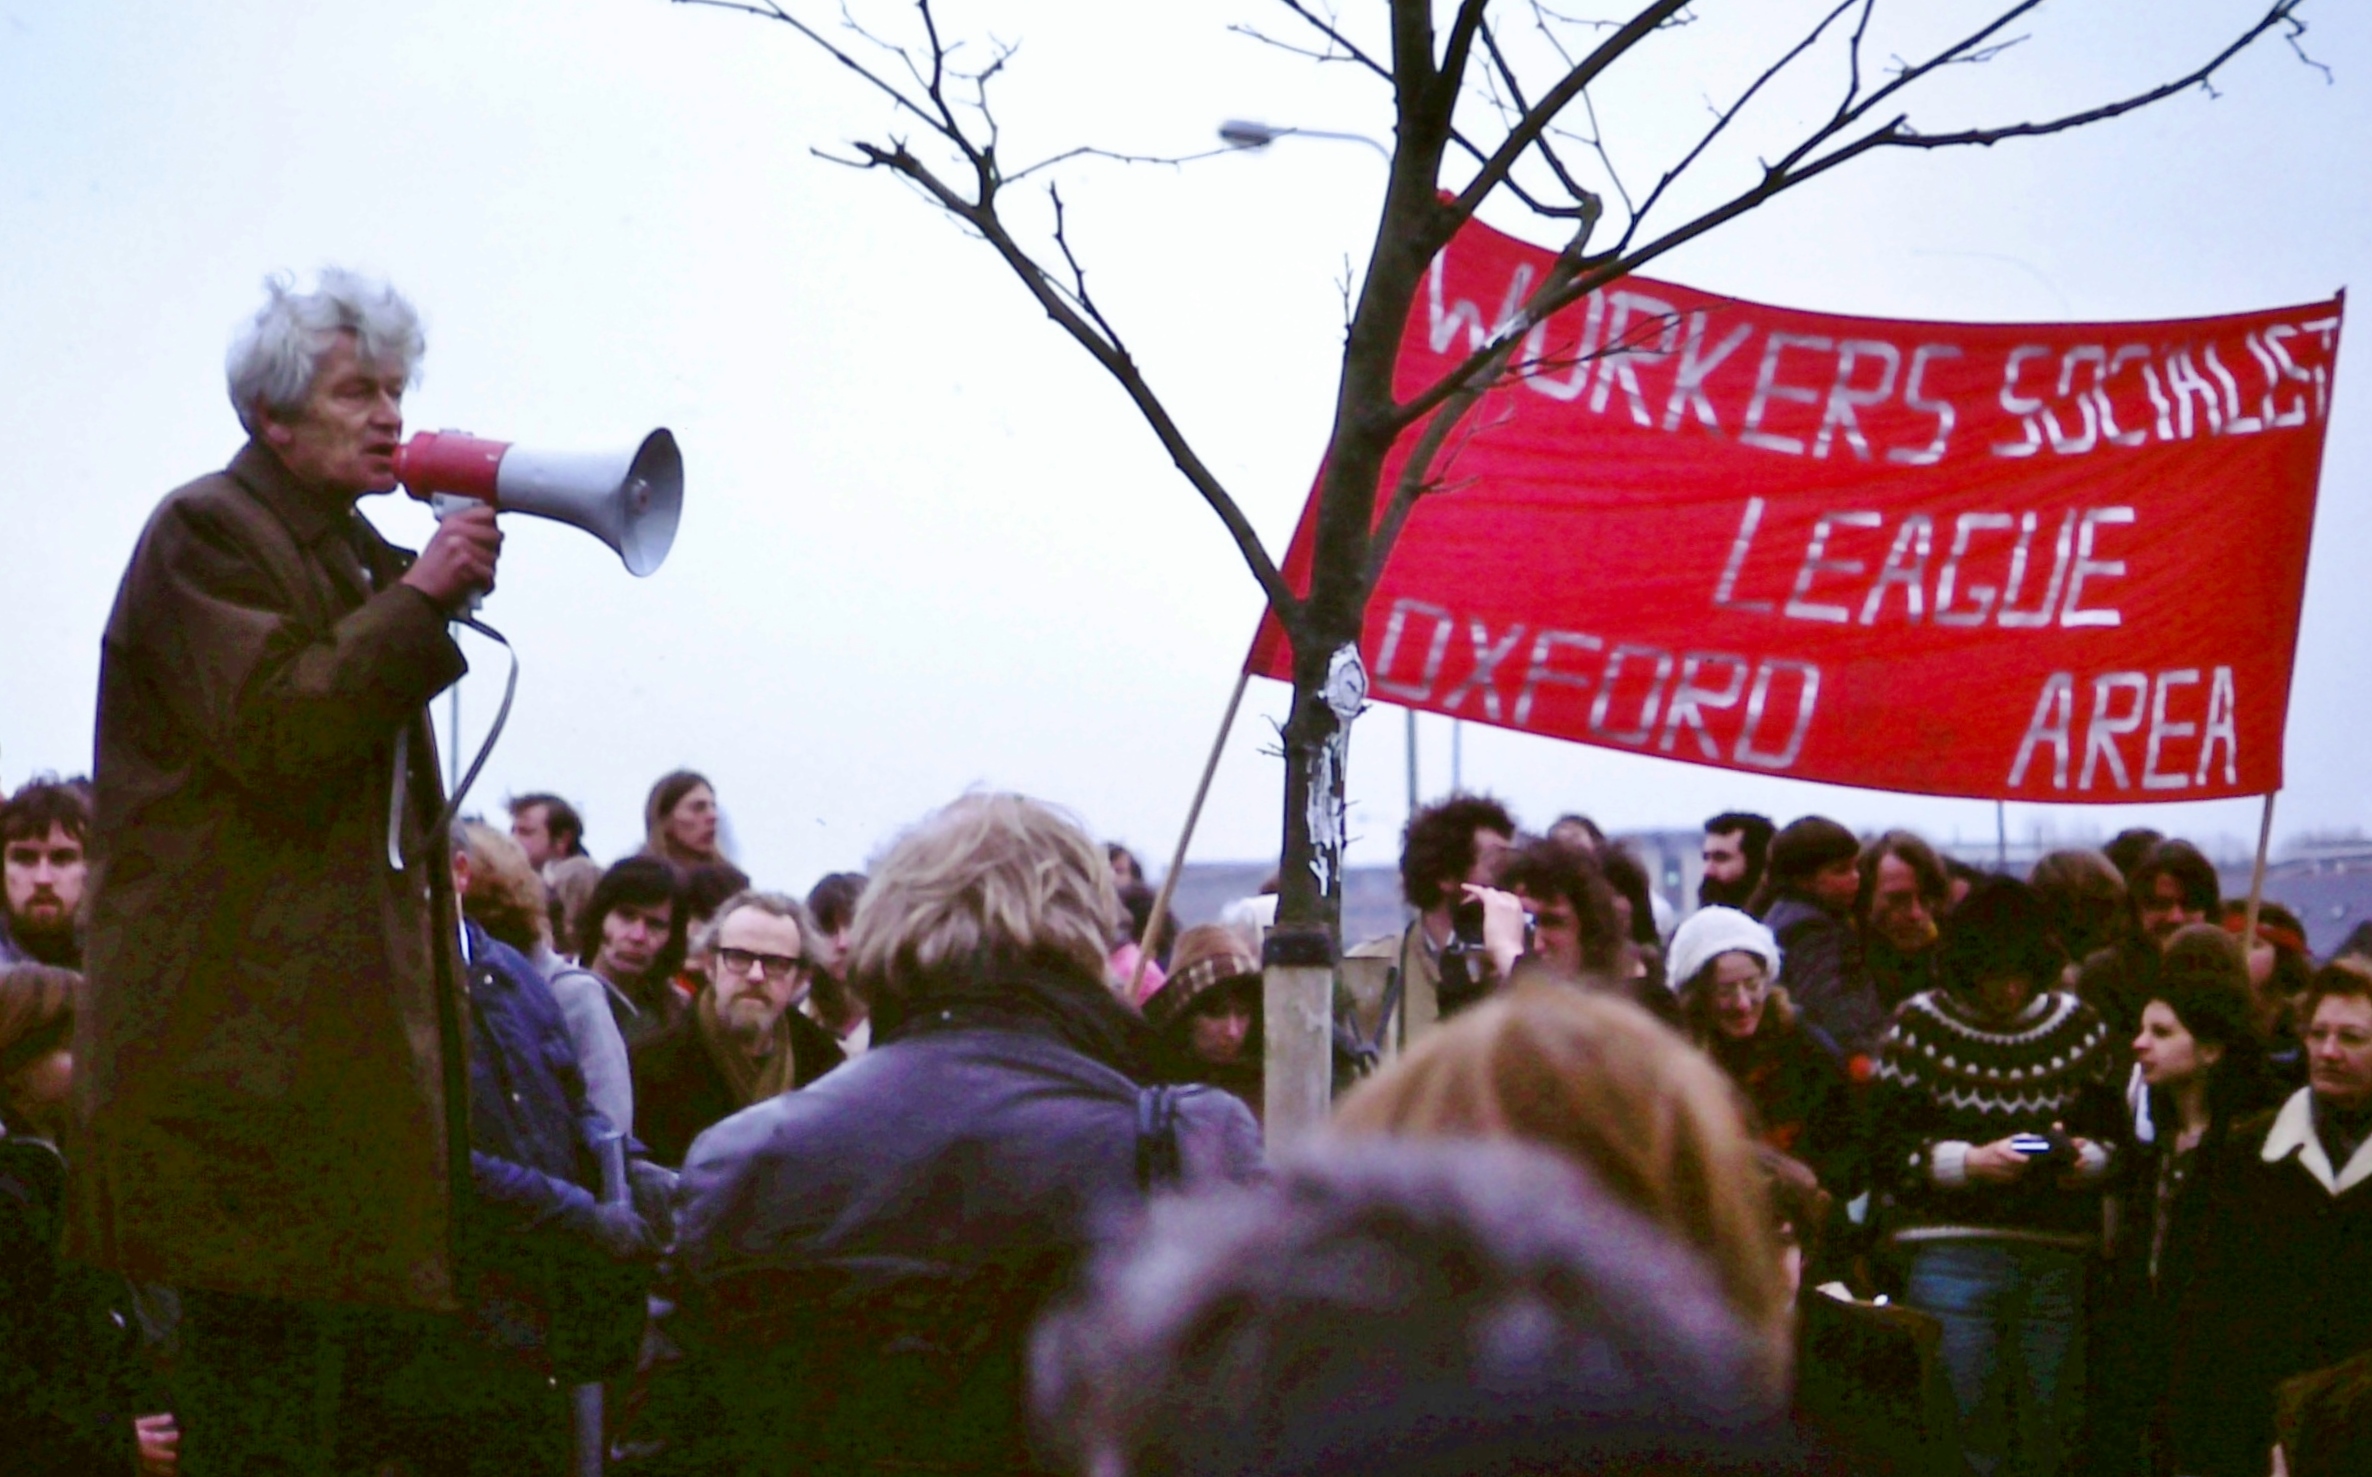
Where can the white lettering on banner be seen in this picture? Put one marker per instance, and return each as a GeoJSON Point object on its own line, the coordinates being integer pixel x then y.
{"type": "Point", "coordinates": [2187, 386]}
{"type": "Point", "coordinates": [1688, 382]}
{"type": "Point", "coordinates": [1767, 389]}
{"type": "Point", "coordinates": [2109, 428]}
{"type": "Point", "coordinates": [2021, 406]}
{"type": "Point", "coordinates": [2087, 567]}
{"type": "Point", "coordinates": [1964, 528]}
{"type": "Point", "coordinates": [2062, 443]}
{"type": "Point", "coordinates": [1808, 695]}
{"type": "Point", "coordinates": [1488, 654]}
{"type": "Point", "coordinates": [2104, 729]}
{"type": "Point", "coordinates": [1583, 359]}
{"type": "Point", "coordinates": [1933, 451]}
{"type": "Point", "coordinates": [1623, 357]}
{"type": "Point", "coordinates": [2161, 730]}
{"type": "Point", "coordinates": [1842, 397]}
{"type": "Point", "coordinates": [1816, 563]}
{"type": "Point", "coordinates": [1724, 701]}
{"type": "Point", "coordinates": [1540, 669]}
{"type": "Point", "coordinates": [2012, 618]}
{"type": "Point", "coordinates": [2074, 399]}
{"type": "Point", "coordinates": [2121, 703]}
{"type": "Point", "coordinates": [1690, 700]}
{"type": "Point", "coordinates": [2077, 570]}
{"type": "Point", "coordinates": [1648, 705]}
{"type": "Point", "coordinates": [1438, 648]}
{"type": "Point", "coordinates": [1906, 567]}
{"type": "Point", "coordinates": [2053, 723]}
{"type": "Point", "coordinates": [2223, 705]}
{"type": "Point", "coordinates": [1740, 547]}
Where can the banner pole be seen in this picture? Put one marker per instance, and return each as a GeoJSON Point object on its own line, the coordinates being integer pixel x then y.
{"type": "Point", "coordinates": [2256, 880]}
{"type": "Point", "coordinates": [1169, 881]}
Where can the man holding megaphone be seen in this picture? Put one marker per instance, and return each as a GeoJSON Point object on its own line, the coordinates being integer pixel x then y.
{"type": "Point", "coordinates": [271, 1071]}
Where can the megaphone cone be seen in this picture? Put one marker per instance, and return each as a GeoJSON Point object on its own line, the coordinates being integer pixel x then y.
{"type": "Point", "coordinates": [630, 500]}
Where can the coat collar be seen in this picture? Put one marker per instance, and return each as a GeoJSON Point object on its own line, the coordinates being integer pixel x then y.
{"type": "Point", "coordinates": [2293, 1133]}
{"type": "Point", "coordinates": [308, 516]}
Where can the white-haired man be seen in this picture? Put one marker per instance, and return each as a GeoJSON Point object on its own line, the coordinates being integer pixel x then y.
{"type": "Point", "coordinates": [271, 1075]}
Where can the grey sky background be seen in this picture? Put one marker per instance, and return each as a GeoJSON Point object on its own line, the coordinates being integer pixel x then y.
{"type": "Point", "coordinates": [926, 545]}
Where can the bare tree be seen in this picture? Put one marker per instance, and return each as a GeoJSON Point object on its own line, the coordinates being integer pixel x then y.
{"type": "Point", "coordinates": [1498, 105]}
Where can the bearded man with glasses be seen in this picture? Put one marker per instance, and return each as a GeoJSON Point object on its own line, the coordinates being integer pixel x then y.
{"type": "Point", "coordinates": [743, 1041]}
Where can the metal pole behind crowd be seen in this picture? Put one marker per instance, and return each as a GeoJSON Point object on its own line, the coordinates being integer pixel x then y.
{"type": "Point", "coordinates": [2256, 878]}
{"type": "Point", "coordinates": [1169, 881]}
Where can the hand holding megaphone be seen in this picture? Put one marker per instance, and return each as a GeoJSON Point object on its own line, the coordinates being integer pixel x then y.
{"type": "Point", "coordinates": [457, 567]}
{"type": "Point", "coordinates": [630, 500]}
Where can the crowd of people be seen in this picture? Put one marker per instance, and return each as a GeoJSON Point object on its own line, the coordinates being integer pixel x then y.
{"type": "Point", "coordinates": [343, 1135]}
{"type": "Point", "coordinates": [1872, 1161]}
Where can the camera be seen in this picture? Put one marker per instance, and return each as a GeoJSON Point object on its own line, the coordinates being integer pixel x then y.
{"type": "Point", "coordinates": [1466, 974]}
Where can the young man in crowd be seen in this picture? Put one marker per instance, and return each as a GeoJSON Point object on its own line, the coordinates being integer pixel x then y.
{"type": "Point", "coordinates": [1808, 897]}
{"type": "Point", "coordinates": [1575, 932]}
{"type": "Point", "coordinates": [547, 828]}
{"type": "Point", "coordinates": [632, 936]}
{"type": "Point", "coordinates": [1905, 892]}
{"type": "Point", "coordinates": [1737, 846]}
{"type": "Point", "coordinates": [2286, 1284]}
{"type": "Point", "coordinates": [744, 1039]}
{"type": "Point", "coordinates": [2170, 887]}
{"type": "Point", "coordinates": [44, 830]}
{"type": "Point", "coordinates": [1394, 981]}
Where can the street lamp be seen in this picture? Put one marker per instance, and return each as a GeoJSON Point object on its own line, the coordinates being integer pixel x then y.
{"type": "Point", "coordinates": [1243, 133]}
{"type": "Point", "coordinates": [1251, 137]}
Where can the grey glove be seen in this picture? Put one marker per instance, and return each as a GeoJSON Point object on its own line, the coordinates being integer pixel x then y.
{"type": "Point", "coordinates": [654, 1198]}
{"type": "Point", "coordinates": [620, 1233]}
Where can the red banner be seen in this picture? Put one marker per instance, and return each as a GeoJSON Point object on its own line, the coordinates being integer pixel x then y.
{"type": "Point", "coordinates": [2019, 561]}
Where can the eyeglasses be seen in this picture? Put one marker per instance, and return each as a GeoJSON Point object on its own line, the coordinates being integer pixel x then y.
{"type": "Point", "coordinates": [777, 966]}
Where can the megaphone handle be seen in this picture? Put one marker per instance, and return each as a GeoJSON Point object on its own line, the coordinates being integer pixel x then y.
{"type": "Point", "coordinates": [445, 505]}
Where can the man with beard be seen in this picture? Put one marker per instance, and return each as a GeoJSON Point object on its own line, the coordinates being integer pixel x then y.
{"type": "Point", "coordinates": [43, 830]}
{"type": "Point", "coordinates": [743, 1040]}
{"type": "Point", "coordinates": [1737, 844]}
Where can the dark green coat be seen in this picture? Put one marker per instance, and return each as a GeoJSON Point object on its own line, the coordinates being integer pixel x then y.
{"type": "Point", "coordinates": [269, 1078]}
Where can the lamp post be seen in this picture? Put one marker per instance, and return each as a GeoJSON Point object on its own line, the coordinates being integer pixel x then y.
{"type": "Point", "coordinates": [1299, 969]}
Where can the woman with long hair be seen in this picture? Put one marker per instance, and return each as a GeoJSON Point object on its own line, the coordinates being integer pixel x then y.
{"type": "Point", "coordinates": [1600, 1081]}
{"type": "Point", "coordinates": [2199, 1052]}
{"type": "Point", "coordinates": [1787, 1070]}
{"type": "Point", "coordinates": [679, 820]}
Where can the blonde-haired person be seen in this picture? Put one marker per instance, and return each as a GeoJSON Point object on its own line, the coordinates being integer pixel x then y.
{"type": "Point", "coordinates": [1602, 1082]}
{"type": "Point", "coordinates": [859, 1262]}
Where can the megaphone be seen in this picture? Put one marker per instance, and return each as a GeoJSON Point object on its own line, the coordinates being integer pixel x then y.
{"type": "Point", "coordinates": [630, 500]}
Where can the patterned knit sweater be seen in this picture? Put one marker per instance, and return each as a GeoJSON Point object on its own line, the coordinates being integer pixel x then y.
{"type": "Point", "coordinates": [1948, 1081]}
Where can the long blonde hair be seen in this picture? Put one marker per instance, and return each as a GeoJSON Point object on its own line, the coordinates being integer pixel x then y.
{"type": "Point", "coordinates": [992, 881]}
{"type": "Point", "coordinates": [1602, 1082]}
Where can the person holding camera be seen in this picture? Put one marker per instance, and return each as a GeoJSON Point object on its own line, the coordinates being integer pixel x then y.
{"type": "Point", "coordinates": [1993, 1117]}
{"type": "Point", "coordinates": [1393, 984]}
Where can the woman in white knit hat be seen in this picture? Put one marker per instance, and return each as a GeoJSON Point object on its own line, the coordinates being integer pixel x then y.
{"type": "Point", "coordinates": [1725, 963]}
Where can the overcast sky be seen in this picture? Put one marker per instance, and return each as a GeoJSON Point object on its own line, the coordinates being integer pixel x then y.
{"type": "Point", "coordinates": [926, 546]}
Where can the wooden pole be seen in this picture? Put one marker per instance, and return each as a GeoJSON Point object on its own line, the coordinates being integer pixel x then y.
{"type": "Point", "coordinates": [1169, 882]}
{"type": "Point", "coordinates": [2256, 880]}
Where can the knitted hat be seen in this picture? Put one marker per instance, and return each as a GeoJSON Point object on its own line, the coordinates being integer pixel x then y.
{"type": "Point", "coordinates": [1710, 933]}
{"type": "Point", "coordinates": [1207, 956]}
